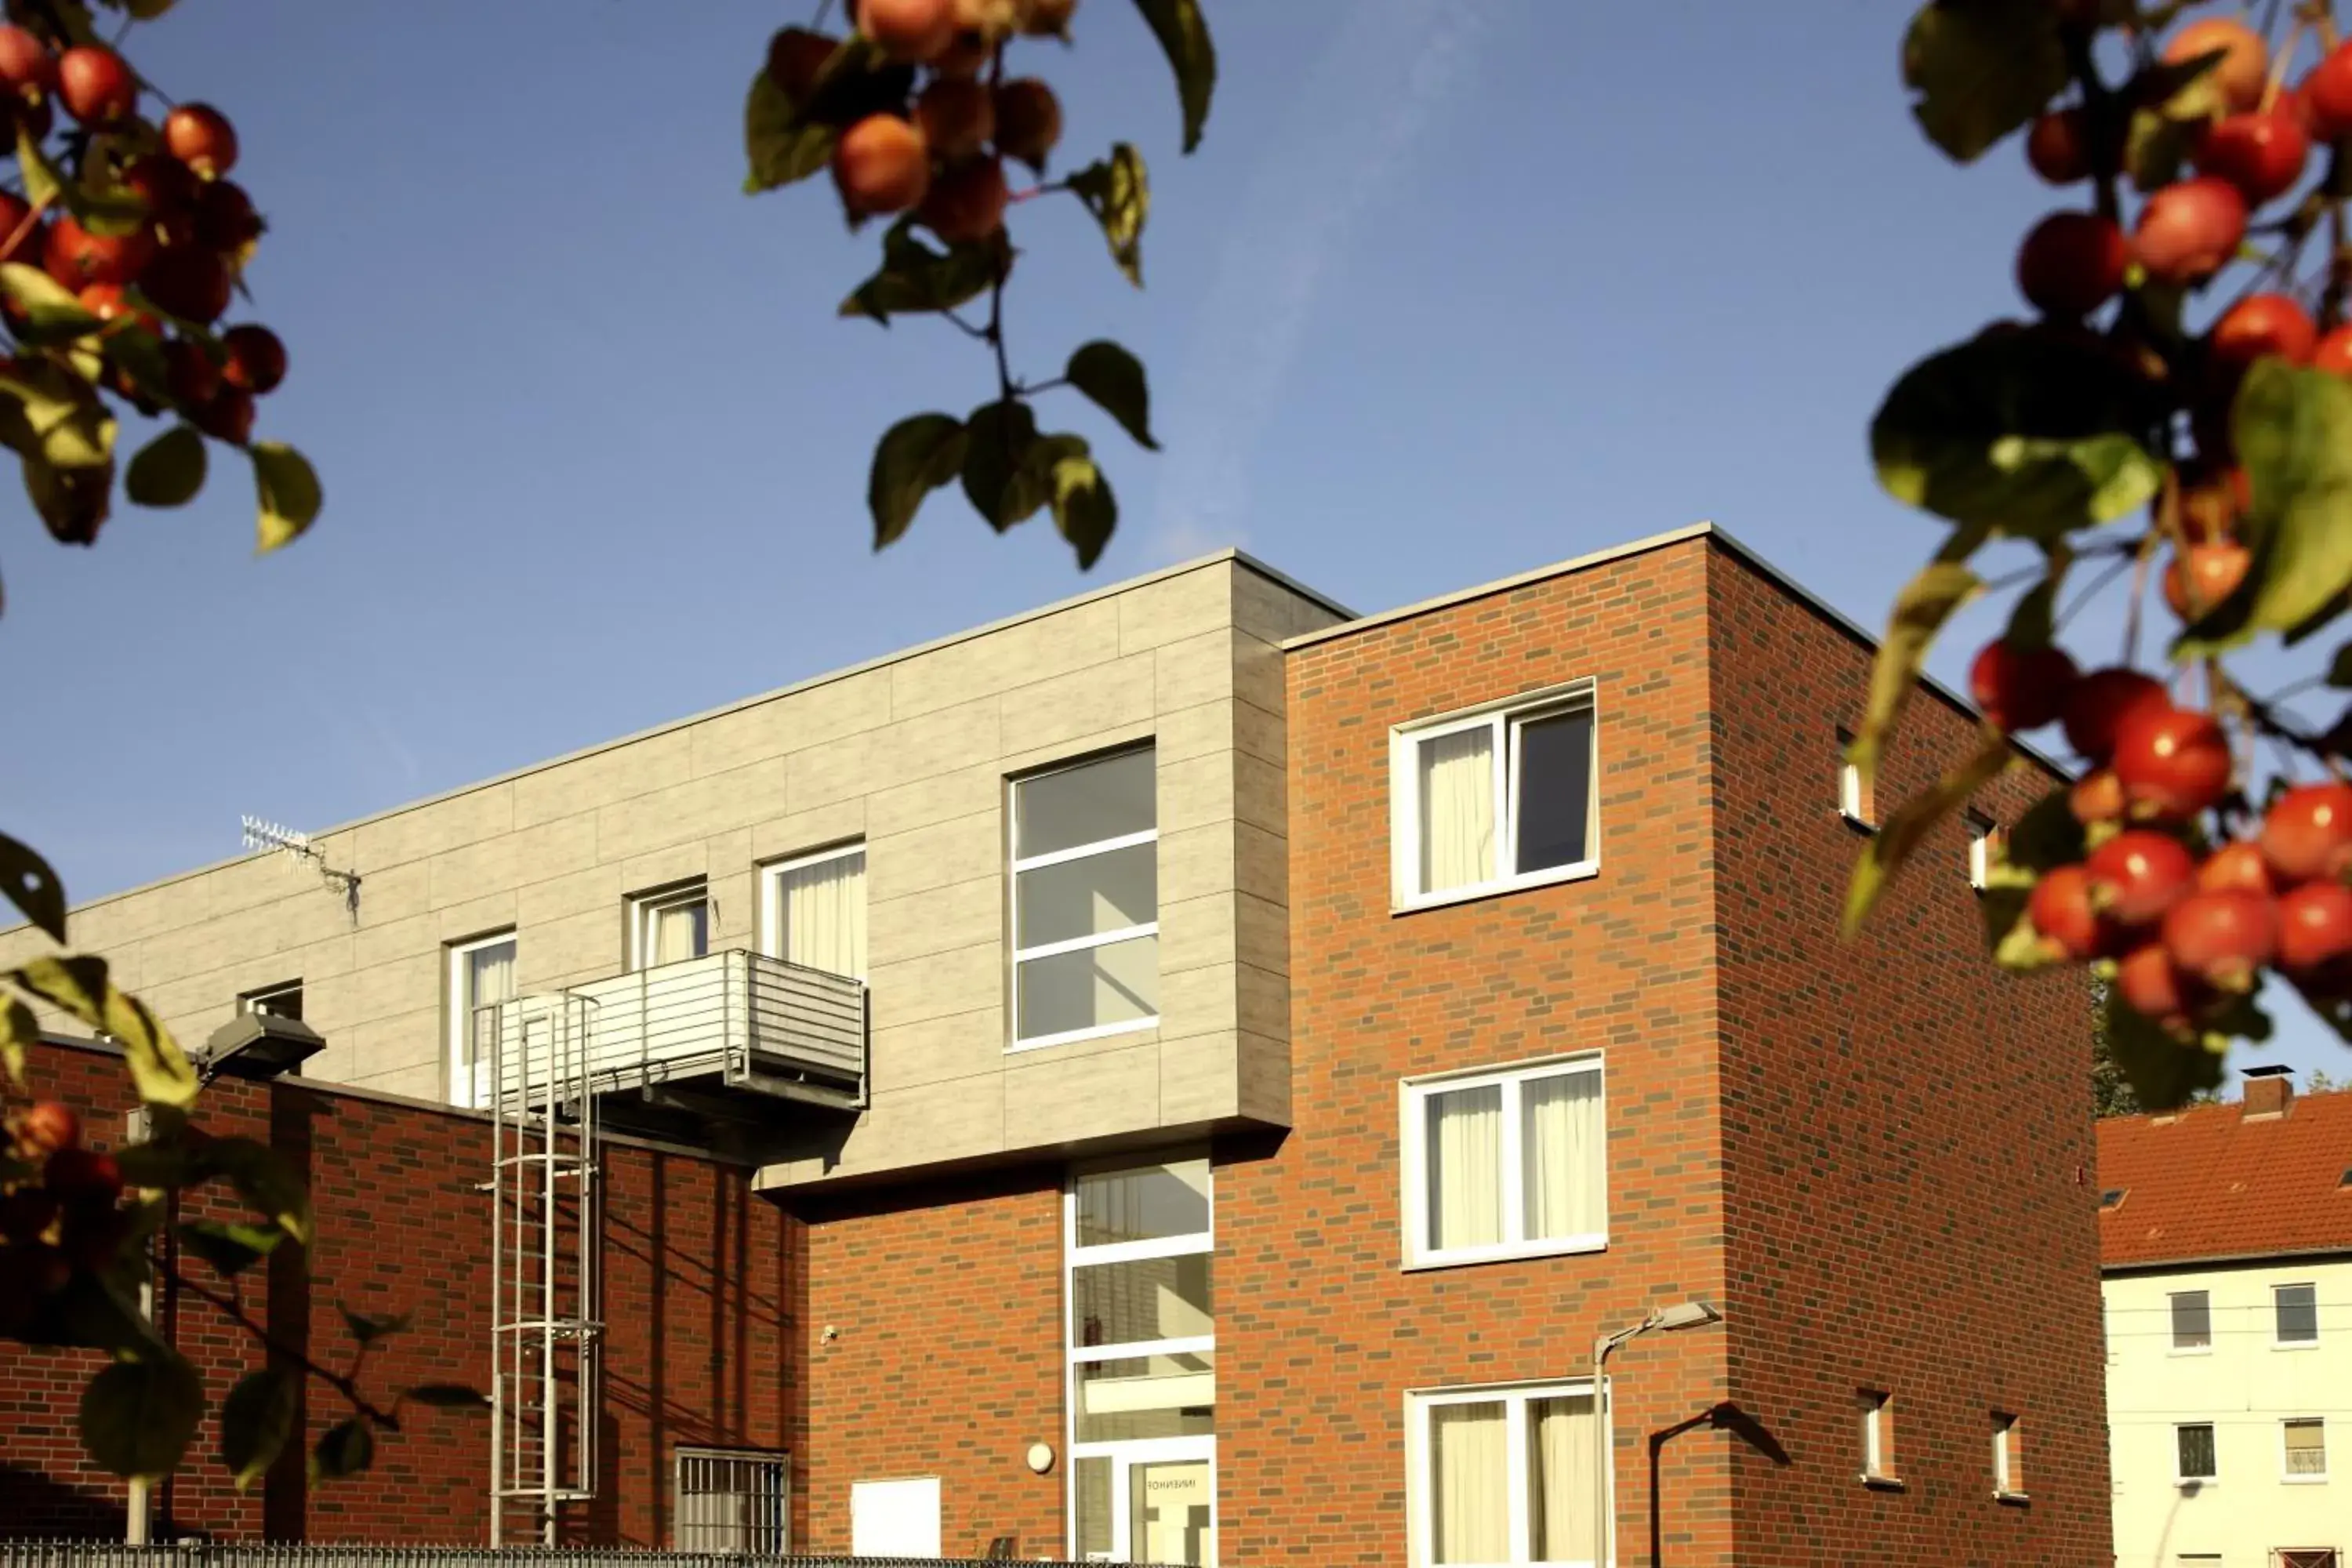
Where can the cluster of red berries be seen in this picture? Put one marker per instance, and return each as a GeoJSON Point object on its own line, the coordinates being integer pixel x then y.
{"type": "Point", "coordinates": [2188, 925]}
{"type": "Point", "coordinates": [941, 152]}
{"type": "Point", "coordinates": [183, 256]}
{"type": "Point", "coordinates": [68, 1214]}
{"type": "Point", "coordinates": [2254, 151]}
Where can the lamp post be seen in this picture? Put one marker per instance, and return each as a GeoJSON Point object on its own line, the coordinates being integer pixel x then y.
{"type": "Point", "coordinates": [1681, 1315]}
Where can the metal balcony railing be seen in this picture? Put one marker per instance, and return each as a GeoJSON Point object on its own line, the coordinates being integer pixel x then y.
{"type": "Point", "coordinates": [740, 1018]}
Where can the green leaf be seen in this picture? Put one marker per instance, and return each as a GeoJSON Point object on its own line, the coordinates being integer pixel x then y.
{"type": "Point", "coordinates": [998, 438]}
{"type": "Point", "coordinates": [264, 1181]}
{"type": "Point", "coordinates": [1119, 193]}
{"type": "Point", "coordinates": [43, 184]}
{"type": "Point", "coordinates": [33, 887]}
{"type": "Point", "coordinates": [914, 457]}
{"type": "Point", "coordinates": [160, 1166]}
{"type": "Point", "coordinates": [1085, 510]}
{"type": "Point", "coordinates": [369, 1327]}
{"type": "Point", "coordinates": [73, 501]}
{"type": "Point", "coordinates": [137, 1416]}
{"type": "Point", "coordinates": [2339, 669]}
{"type": "Point", "coordinates": [78, 985]}
{"type": "Point", "coordinates": [2047, 837]}
{"type": "Point", "coordinates": [229, 1246]}
{"type": "Point", "coordinates": [2033, 624]}
{"type": "Point", "coordinates": [288, 488]}
{"type": "Point", "coordinates": [1114, 379]}
{"type": "Point", "coordinates": [256, 1420]}
{"type": "Point", "coordinates": [168, 470]}
{"type": "Point", "coordinates": [1184, 36]}
{"type": "Point", "coordinates": [48, 412]}
{"type": "Point", "coordinates": [1981, 68]}
{"type": "Point", "coordinates": [2163, 1070]}
{"type": "Point", "coordinates": [916, 278]}
{"type": "Point", "coordinates": [344, 1449]}
{"type": "Point", "coordinates": [2293, 433]}
{"type": "Point", "coordinates": [18, 1029]}
{"type": "Point", "coordinates": [446, 1397]}
{"type": "Point", "coordinates": [2028, 433]}
{"type": "Point", "coordinates": [1925, 603]}
{"type": "Point", "coordinates": [859, 80]}
{"type": "Point", "coordinates": [1901, 833]}
{"type": "Point", "coordinates": [49, 309]}
{"type": "Point", "coordinates": [780, 148]}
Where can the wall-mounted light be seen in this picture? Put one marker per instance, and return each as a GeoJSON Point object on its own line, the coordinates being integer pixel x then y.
{"type": "Point", "coordinates": [1040, 1456]}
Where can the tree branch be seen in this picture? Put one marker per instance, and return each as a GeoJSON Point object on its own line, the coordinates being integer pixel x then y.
{"type": "Point", "coordinates": [236, 1314]}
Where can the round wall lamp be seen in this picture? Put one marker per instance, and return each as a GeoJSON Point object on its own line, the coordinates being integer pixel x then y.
{"type": "Point", "coordinates": [1040, 1456]}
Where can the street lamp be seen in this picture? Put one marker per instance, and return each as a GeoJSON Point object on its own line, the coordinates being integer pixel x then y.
{"type": "Point", "coordinates": [1681, 1315]}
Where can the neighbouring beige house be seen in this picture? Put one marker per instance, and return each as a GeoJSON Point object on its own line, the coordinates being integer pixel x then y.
{"type": "Point", "coordinates": [2226, 1243]}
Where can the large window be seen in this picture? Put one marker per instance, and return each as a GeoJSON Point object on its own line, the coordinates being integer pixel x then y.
{"type": "Point", "coordinates": [1141, 1344]}
{"type": "Point", "coordinates": [2305, 1443]}
{"type": "Point", "coordinates": [2192, 1321]}
{"type": "Point", "coordinates": [731, 1500]}
{"type": "Point", "coordinates": [1502, 1475]}
{"type": "Point", "coordinates": [1085, 900]}
{"type": "Point", "coordinates": [1506, 1164]}
{"type": "Point", "coordinates": [2194, 1459]}
{"type": "Point", "coordinates": [481, 976]}
{"type": "Point", "coordinates": [1500, 799]}
{"type": "Point", "coordinates": [669, 926]}
{"type": "Point", "coordinates": [2295, 1315]}
{"type": "Point", "coordinates": [813, 910]}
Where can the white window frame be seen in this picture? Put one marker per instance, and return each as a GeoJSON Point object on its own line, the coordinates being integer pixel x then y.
{"type": "Point", "coordinates": [1503, 720]}
{"type": "Point", "coordinates": [461, 1007]}
{"type": "Point", "coordinates": [1877, 1409]}
{"type": "Point", "coordinates": [1021, 954]}
{"type": "Point", "coordinates": [1074, 1258]}
{"type": "Point", "coordinates": [2172, 1329]}
{"type": "Point", "coordinates": [2214, 1479]}
{"type": "Point", "coordinates": [643, 907]}
{"type": "Point", "coordinates": [2310, 1344]}
{"type": "Point", "coordinates": [2007, 1434]}
{"type": "Point", "coordinates": [1515, 1398]}
{"type": "Point", "coordinates": [254, 1001]}
{"type": "Point", "coordinates": [772, 893]}
{"type": "Point", "coordinates": [1413, 1094]}
{"type": "Point", "coordinates": [2295, 1480]}
{"type": "Point", "coordinates": [1984, 837]}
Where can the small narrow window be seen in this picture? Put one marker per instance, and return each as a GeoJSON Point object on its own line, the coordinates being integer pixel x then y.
{"type": "Point", "coordinates": [2294, 1313]}
{"type": "Point", "coordinates": [2192, 1321]}
{"type": "Point", "coordinates": [1085, 899]}
{"type": "Point", "coordinates": [670, 927]}
{"type": "Point", "coordinates": [2305, 1439]}
{"type": "Point", "coordinates": [2113, 1198]}
{"type": "Point", "coordinates": [481, 979]}
{"type": "Point", "coordinates": [2195, 1459]}
{"type": "Point", "coordinates": [731, 1501]}
{"type": "Point", "coordinates": [1854, 788]}
{"type": "Point", "coordinates": [278, 1001]}
{"type": "Point", "coordinates": [2008, 1474]}
{"type": "Point", "coordinates": [1988, 844]}
{"type": "Point", "coordinates": [1877, 1409]}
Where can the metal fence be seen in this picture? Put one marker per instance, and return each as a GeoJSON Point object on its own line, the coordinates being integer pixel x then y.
{"type": "Point", "coordinates": [256, 1554]}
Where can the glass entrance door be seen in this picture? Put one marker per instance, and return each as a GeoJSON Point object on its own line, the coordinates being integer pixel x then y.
{"type": "Point", "coordinates": [1151, 1501]}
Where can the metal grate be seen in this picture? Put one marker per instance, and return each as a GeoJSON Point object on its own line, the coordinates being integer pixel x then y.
{"type": "Point", "coordinates": [242, 1554]}
{"type": "Point", "coordinates": [733, 1500]}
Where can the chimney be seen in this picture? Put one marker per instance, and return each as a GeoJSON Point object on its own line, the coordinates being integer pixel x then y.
{"type": "Point", "coordinates": [2268, 1090]}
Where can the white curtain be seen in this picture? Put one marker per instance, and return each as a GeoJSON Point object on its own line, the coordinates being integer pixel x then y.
{"type": "Point", "coordinates": [1466, 1167]}
{"type": "Point", "coordinates": [1457, 810]}
{"type": "Point", "coordinates": [677, 932]}
{"type": "Point", "coordinates": [1562, 1147]}
{"type": "Point", "coordinates": [489, 979]}
{"type": "Point", "coordinates": [1470, 1491]}
{"type": "Point", "coordinates": [822, 907]}
{"type": "Point", "coordinates": [1559, 1493]}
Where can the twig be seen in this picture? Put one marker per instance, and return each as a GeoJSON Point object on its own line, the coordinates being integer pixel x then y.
{"type": "Point", "coordinates": [967, 329]}
{"type": "Point", "coordinates": [25, 224]}
{"type": "Point", "coordinates": [2098, 584]}
{"type": "Point", "coordinates": [338, 1381]}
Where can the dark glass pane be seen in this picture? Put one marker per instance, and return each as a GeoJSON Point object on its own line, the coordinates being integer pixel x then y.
{"type": "Point", "coordinates": [2298, 1314]}
{"type": "Point", "coordinates": [1555, 790]}
{"type": "Point", "coordinates": [1084, 804]}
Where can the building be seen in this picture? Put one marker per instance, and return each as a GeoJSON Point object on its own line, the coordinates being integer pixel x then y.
{"type": "Point", "coordinates": [1189, 1075]}
{"type": "Point", "coordinates": [2226, 1235]}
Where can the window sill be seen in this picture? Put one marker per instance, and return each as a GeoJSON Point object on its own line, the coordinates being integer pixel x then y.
{"type": "Point", "coordinates": [1859, 824]}
{"type": "Point", "coordinates": [1577, 872]}
{"type": "Point", "coordinates": [2194, 1483]}
{"type": "Point", "coordinates": [1567, 1246]}
{"type": "Point", "coordinates": [2295, 1345]}
{"type": "Point", "coordinates": [2012, 1499]}
{"type": "Point", "coordinates": [2302, 1481]}
{"type": "Point", "coordinates": [2190, 1350]}
{"type": "Point", "coordinates": [1879, 1483]}
{"type": "Point", "coordinates": [1072, 1037]}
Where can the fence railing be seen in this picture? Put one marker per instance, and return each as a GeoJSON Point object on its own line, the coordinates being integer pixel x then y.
{"type": "Point", "coordinates": [257, 1554]}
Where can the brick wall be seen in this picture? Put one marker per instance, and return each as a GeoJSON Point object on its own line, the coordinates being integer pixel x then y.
{"type": "Point", "coordinates": [698, 1350]}
{"type": "Point", "coordinates": [1320, 1333]}
{"type": "Point", "coordinates": [1907, 1151]}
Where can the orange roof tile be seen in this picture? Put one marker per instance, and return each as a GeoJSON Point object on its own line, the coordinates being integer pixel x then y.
{"type": "Point", "coordinates": [2209, 1183]}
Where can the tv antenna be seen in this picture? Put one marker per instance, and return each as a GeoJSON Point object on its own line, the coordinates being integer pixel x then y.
{"type": "Point", "coordinates": [298, 848]}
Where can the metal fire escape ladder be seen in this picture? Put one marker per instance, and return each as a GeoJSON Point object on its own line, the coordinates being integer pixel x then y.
{"type": "Point", "coordinates": [547, 1321]}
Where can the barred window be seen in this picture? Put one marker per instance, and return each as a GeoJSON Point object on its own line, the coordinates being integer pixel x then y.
{"type": "Point", "coordinates": [733, 1500]}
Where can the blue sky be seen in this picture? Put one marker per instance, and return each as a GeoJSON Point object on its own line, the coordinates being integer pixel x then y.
{"type": "Point", "coordinates": [1452, 289]}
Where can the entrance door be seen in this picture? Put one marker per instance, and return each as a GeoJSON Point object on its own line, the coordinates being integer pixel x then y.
{"type": "Point", "coordinates": [1153, 1502]}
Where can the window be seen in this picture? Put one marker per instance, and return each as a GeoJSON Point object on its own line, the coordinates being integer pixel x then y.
{"type": "Point", "coordinates": [1877, 1410]}
{"type": "Point", "coordinates": [813, 910]}
{"type": "Point", "coordinates": [1502, 1475]}
{"type": "Point", "coordinates": [2306, 1557]}
{"type": "Point", "coordinates": [277, 1001]}
{"type": "Point", "coordinates": [2295, 1311]}
{"type": "Point", "coordinates": [2306, 1442]}
{"type": "Point", "coordinates": [481, 976]}
{"type": "Point", "coordinates": [1854, 791]}
{"type": "Point", "coordinates": [2193, 1452]}
{"type": "Point", "coordinates": [1505, 1164]}
{"type": "Point", "coordinates": [2113, 1198]}
{"type": "Point", "coordinates": [2007, 1472]}
{"type": "Point", "coordinates": [1986, 843]}
{"type": "Point", "coordinates": [670, 927]}
{"type": "Point", "coordinates": [731, 1501]}
{"type": "Point", "coordinates": [1085, 900]}
{"type": "Point", "coordinates": [2192, 1321]}
{"type": "Point", "coordinates": [1141, 1344]}
{"type": "Point", "coordinates": [1495, 800]}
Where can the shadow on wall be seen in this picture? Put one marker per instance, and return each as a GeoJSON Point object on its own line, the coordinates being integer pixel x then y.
{"type": "Point", "coordinates": [1724, 1417]}
{"type": "Point", "coordinates": [34, 1506]}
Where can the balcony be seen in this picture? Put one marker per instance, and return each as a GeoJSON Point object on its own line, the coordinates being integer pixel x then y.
{"type": "Point", "coordinates": [716, 1033]}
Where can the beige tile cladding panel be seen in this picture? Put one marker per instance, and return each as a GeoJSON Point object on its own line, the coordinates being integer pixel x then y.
{"type": "Point", "coordinates": [911, 754]}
